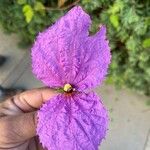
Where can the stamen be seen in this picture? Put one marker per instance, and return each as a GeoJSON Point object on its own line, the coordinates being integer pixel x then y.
{"type": "Point", "coordinates": [68, 88]}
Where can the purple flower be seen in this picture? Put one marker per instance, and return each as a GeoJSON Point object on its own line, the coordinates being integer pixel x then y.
{"type": "Point", "coordinates": [65, 57]}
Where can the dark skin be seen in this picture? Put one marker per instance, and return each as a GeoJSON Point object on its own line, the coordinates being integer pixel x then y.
{"type": "Point", "coordinates": [18, 119]}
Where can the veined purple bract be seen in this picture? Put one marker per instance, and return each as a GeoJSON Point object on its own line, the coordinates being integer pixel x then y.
{"type": "Point", "coordinates": [67, 58]}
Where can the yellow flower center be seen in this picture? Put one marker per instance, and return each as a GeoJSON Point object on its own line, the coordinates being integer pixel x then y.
{"type": "Point", "coordinates": [68, 88]}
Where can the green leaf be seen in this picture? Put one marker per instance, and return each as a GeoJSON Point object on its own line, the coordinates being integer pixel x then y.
{"type": "Point", "coordinates": [140, 27]}
{"type": "Point", "coordinates": [144, 56]}
{"type": "Point", "coordinates": [91, 5]}
{"type": "Point", "coordinates": [86, 1]}
{"type": "Point", "coordinates": [131, 44]}
{"type": "Point", "coordinates": [114, 19]}
{"type": "Point", "coordinates": [148, 71]}
{"type": "Point", "coordinates": [147, 21]}
{"type": "Point", "coordinates": [28, 13]}
{"type": "Point", "coordinates": [129, 16]}
{"type": "Point", "coordinates": [109, 80]}
{"type": "Point", "coordinates": [39, 7]}
{"type": "Point", "coordinates": [21, 2]}
{"type": "Point", "coordinates": [146, 43]}
{"type": "Point", "coordinates": [116, 7]}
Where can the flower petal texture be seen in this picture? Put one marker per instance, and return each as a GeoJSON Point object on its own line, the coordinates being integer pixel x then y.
{"type": "Point", "coordinates": [77, 122]}
{"type": "Point", "coordinates": [66, 53]}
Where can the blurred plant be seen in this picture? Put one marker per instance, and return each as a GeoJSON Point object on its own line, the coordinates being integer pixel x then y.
{"type": "Point", "coordinates": [128, 24]}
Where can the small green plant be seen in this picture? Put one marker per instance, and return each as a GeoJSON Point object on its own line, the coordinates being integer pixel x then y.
{"type": "Point", "coordinates": [127, 21]}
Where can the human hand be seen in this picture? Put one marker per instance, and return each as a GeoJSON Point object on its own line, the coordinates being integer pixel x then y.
{"type": "Point", "coordinates": [18, 119]}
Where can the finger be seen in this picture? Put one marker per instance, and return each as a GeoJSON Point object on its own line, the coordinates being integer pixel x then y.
{"type": "Point", "coordinates": [17, 128]}
{"type": "Point", "coordinates": [28, 100]}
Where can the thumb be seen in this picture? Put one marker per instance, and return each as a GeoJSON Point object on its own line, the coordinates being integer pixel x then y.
{"type": "Point", "coordinates": [18, 128]}
{"type": "Point", "coordinates": [18, 115]}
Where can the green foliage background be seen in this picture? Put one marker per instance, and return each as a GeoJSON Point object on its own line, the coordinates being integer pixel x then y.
{"type": "Point", "coordinates": [128, 24]}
